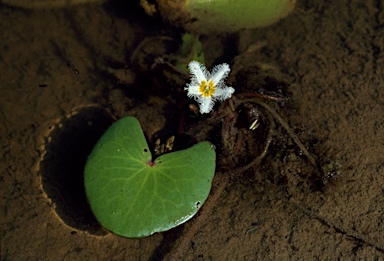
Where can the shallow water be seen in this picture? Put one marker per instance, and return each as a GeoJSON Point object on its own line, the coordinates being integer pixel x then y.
{"type": "Point", "coordinates": [61, 65]}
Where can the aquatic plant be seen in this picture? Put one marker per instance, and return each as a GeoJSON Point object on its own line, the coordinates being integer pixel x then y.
{"type": "Point", "coordinates": [134, 195]}
{"type": "Point", "coordinates": [201, 16]}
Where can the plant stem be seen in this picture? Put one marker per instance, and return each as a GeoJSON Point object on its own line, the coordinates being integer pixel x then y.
{"type": "Point", "coordinates": [180, 249]}
{"type": "Point", "coordinates": [286, 127]}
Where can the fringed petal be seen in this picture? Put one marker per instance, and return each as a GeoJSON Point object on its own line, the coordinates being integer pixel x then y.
{"type": "Point", "coordinates": [198, 71]}
{"type": "Point", "coordinates": [205, 104]}
{"type": "Point", "coordinates": [219, 73]}
{"type": "Point", "coordinates": [221, 94]}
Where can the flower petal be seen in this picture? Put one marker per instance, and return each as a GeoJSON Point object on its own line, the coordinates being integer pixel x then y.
{"type": "Point", "coordinates": [193, 90]}
{"type": "Point", "coordinates": [219, 73]}
{"type": "Point", "coordinates": [221, 94]}
{"type": "Point", "coordinates": [198, 71]}
{"type": "Point", "coordinates": [205, 104]}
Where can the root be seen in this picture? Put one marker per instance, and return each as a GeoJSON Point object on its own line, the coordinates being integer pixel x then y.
{"type": "Point", "coordinates": [180, 249]}
{"type": "Point", "coordinates": [277, 117]}
{"type": "Point", "coordinates": [227, 111]}
{"type": "Point", "coordinates": [259, 158]}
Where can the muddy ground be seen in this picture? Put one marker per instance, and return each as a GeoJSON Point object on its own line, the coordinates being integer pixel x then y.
{"type": "Point", "coordinates": [67, 74]}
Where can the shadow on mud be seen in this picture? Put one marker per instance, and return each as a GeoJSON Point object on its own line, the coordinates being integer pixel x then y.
{"type": "Point", "coordinates": [63, 165]}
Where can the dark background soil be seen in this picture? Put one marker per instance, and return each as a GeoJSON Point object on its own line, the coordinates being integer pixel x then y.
{"type": "Point", "coordinates": [66, 74]}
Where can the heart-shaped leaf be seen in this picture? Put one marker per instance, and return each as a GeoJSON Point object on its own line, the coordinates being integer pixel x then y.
{"type": "Point", "coordinates": [133, 196]}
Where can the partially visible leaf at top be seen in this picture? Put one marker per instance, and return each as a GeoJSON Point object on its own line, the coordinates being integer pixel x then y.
{"type": "Point", "coordinates": [134, 196]}
{"type": "Point", "coordinates": [191, 49]}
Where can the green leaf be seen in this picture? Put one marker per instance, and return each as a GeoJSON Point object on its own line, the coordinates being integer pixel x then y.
{"type": "Point", "coordinates": [233, 15]}
{"type": "Point", "coordinates": [133, 196]}
{"type": "Point", "coordinates": [191, 49]}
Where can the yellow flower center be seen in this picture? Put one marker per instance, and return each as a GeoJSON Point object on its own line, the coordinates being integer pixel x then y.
{"type": "Point", "coordinates": [207, 89]}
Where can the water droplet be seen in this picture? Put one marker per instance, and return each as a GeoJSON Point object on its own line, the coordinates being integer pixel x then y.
{"type": "Point", "coordinates": [118, 150]}
{"type": "Point", "coordinates": [113, 213]}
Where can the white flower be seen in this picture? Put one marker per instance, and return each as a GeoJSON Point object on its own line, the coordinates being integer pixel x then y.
{"type": "Point", "coordinates": [207, 87]}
